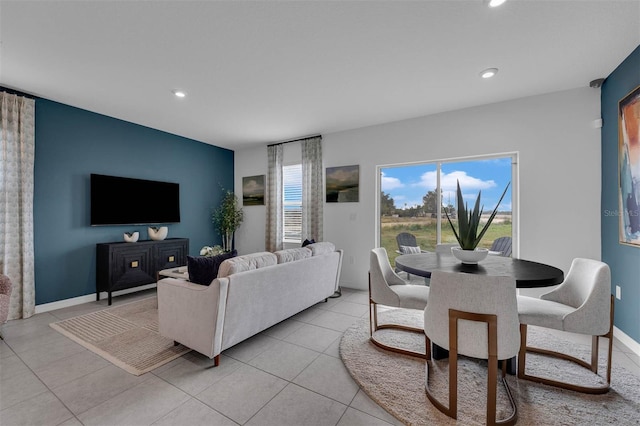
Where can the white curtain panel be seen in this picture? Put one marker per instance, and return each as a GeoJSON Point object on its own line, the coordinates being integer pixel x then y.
{"type": "Point", "coordinates": [274, 199]}
{"type": "Point", "coordinates": [17, 134]}
{"type": "Point", "coordinates": [312, 188]}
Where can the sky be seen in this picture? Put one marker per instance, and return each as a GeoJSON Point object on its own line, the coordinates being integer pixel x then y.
{"type": "Point", "coordinates": [408, 184]}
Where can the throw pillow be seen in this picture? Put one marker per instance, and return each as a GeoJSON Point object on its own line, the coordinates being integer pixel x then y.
{"type": "Point", "coordinates": [409, 249]}
{"type": "Point", "coordinates": [307, 242]}
{"type": "Point", "coordinates": [203, 269]}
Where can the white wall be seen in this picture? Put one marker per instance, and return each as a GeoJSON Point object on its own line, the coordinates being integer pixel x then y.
{"type": "Point", "coordinates": [559, 154]}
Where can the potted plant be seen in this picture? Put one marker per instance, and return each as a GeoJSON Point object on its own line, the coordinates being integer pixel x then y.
{"type": "Point", "coordinates": [227, 218]}
{"type": "Point", "coordinates": [468, 224]}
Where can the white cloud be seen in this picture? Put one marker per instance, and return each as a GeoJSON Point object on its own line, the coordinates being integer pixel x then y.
{"type": "Point", "coordinates": [389, 183]}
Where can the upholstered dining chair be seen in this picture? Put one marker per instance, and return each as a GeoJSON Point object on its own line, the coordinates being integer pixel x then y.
{"type": "Point", "coordinates": [582, 304]}
{"type": "Point", "coordinates": [501, 247]}
{"type": "Point", "coordinates": [5, 296]}
{"type": "Point", "coordinates": [476, 316]}
{"type": "Point", "coordinates": [388, 289]}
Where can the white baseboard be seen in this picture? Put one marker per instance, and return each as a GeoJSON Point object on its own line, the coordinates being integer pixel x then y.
{"type": "Point", "coordinates": [626, 340]}
{"type": "Point", "coordinates": [46, 307]}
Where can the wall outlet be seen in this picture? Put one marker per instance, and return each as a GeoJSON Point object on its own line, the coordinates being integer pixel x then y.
{"type": "Point", "coordinates": [618, 293]}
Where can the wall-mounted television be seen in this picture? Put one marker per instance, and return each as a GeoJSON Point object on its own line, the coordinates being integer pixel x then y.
{"type": "Point", "coordinates": [126, 201]}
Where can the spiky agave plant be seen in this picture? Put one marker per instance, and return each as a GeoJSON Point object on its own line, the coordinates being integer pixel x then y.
{"type": "Point", "coordinates": [469, 221]}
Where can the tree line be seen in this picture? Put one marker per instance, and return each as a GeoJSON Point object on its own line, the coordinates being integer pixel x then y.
{"type": "Point", "coordinates": [429, 206]}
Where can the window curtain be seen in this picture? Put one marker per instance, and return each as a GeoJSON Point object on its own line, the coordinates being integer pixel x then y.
{"type": "Point", "coordinates": [312, 188]}
{"type": "Point", "coordinates": [274, 199]}
{"type": "Point", "coordinates": [17, 134]}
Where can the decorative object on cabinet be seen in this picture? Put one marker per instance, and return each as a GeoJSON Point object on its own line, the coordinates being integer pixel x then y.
{"type": "Point", "coordinates": [158, 234]}
{"type": "Point", "coordinates": [131, 237]}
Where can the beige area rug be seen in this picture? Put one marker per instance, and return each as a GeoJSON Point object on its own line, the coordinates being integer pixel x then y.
{"type": "Point", "coordinates": [396, 382]}
{"type": "Point", "coordinates": [126, 336]}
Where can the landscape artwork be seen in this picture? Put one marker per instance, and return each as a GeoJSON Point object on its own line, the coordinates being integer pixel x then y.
{"type": "Point", "coordinates": [629, 168]}
{"type": "Point", "coordinates": [343, 184]}
{"type": "Point", "coordinates": [253, 191]}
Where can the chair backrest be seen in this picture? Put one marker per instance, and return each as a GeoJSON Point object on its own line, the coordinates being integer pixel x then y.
{"type": "Point", "coordinates": [477, 294]}
{"type": "Point", "coordinates": [446, 248]}
{"type": "Point", "coordinates": [381, 276]}
{"type": "Point", "coordinates": [406, 239]}
{"type": "Point", "coordinates": [503, 245]}
{"type": "Point", "coordinates": [587, 288]}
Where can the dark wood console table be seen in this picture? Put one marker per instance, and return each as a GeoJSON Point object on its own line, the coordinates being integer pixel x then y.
{"type": "Point", "coordinates": [124, 265]}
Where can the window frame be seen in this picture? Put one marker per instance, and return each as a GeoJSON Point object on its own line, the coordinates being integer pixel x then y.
{"type": "Point", "coordinates": [286, 238]}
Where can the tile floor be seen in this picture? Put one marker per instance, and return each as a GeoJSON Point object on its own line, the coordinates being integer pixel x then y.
{"type": "Point", "coordinates": [291, 374]}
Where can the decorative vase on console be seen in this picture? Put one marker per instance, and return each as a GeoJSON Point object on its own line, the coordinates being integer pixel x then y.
{"type": "Point", "coordinates": [158, 234]}
{"type": "Point", "coordinates": [131, 237]}
{"type": "Point", "coordinates": [467, 232]}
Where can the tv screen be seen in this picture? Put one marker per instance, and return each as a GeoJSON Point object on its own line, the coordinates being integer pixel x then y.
{"type": "Point", "coordinates": [126, 201]}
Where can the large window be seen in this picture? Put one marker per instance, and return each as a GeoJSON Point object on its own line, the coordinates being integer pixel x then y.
{"type": "Point", "coordinates": [292, 193]}
{"type": "Point", "coordinates": [414, 197]}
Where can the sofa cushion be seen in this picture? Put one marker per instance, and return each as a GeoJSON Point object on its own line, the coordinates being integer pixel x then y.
{"type": "Point", "coordinates": [290, 255]}
{"type": "Point", "coordinates": [204, 269]}
{"type": "Point", "coordinates": [247, 262]}
{"type": "Point", "coordinates": [321, 248]}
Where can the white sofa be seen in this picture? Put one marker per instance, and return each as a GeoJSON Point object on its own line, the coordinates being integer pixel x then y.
{"type": "Point", "coordinates": [252, 293]}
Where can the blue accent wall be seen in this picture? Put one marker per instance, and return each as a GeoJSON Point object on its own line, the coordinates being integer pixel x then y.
{"type": "Point", "coordinates": [624, 260]}
{"type": "Point", "coordinates": [71, 144]}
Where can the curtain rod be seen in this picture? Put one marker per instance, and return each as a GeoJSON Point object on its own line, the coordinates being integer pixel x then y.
{"type": "Point", "coordinates": [17, 92]}
{"type": "Point", "coordinates": [296, 140]}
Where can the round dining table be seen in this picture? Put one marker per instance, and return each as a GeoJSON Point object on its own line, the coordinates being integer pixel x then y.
{"type": "Point", "coordinates": [528, 274]}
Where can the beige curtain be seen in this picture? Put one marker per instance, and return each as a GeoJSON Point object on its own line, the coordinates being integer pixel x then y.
{"type": "Point", "coordinates": [312, 188]}
{"type": "Point", "coordinates": [17, 136]}
{"type": "Point", "coordinates": [274, 199]}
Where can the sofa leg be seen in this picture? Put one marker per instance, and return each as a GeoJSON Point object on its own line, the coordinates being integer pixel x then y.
{"type": "Point", "coordinates": [326, 300]}
{"type": "Point", "coordinates": [175, 343]}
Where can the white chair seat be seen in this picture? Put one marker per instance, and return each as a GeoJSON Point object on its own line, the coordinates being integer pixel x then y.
{"type": "Point", "coordinates": [543, 313]}
{"type": "Point", "coordinates": [411, 296]}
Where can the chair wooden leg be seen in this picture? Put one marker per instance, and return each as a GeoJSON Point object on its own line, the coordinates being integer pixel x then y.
{"type": "Point", "coordinates": [592, 366]}
{"type": "Point", "coordinates": [452, 410]}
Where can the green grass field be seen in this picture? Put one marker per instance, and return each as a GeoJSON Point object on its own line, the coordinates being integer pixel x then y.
{"type": "Point", "coordinates": [425, 231]}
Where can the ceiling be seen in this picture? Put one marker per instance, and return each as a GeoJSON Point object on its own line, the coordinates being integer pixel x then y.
{"type": "Point", "coordinates": [268, 71]}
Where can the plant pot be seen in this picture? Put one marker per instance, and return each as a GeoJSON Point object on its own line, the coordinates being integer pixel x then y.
{"type": "Point", "coordinates": [159, 234]}
{"type": "Point", "coordinates": [131, 238]}
{"type": "Point", "coordinates": [469, 257]}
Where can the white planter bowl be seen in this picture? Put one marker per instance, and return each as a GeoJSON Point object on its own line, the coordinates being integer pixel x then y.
{"type": "Point", "coordinates": [133, 238]}
{"type": "Point", "coordinates": [158, 235]}
{"type": "Point", "coordinates": [469, 257]}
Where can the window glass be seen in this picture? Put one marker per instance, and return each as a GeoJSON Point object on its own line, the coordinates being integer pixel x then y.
{"type": "Point", "coordinates": [292, 193]}
{"type": "Point", "coordinates": [409, 200]}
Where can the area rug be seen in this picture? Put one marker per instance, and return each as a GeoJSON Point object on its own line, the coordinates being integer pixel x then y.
{"type": "Point", "coordinates": [396, 382]}
{"type": "Point", "coordinates": [126, 336]}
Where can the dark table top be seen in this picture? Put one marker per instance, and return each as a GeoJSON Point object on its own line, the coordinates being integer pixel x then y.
{"type": "Point", "coordinates": [527, 274]}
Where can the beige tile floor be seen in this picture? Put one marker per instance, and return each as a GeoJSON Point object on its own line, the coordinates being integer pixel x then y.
{"type": "Point", "coordinates": [290, 374]}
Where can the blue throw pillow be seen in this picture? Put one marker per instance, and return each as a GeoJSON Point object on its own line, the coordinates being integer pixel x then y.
{"type": "Point", "coordinates": [203, 270]}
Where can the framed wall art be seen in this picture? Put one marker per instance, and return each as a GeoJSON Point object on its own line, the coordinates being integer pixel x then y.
{"type": "Point", "coordinates": [343, 184]}
{"type": "Point", "coordinates": [629, 168]}
{"type": "Point", "coordinates": [253, 191]}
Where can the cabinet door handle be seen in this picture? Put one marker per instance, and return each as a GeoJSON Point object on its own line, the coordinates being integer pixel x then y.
{"type": "Point", "coordinates": [134, 264]}
{"type": "Point", "coordinates": [172, 258]}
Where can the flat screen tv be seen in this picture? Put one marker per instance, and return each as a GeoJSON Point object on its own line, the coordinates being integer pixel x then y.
{"type": "Point", "coordinates": [126, 201]}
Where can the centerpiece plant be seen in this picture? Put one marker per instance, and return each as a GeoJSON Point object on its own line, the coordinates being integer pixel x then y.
{"type": "Point", "coordinates": [227, 218]}
{"type": "Point", "coordinates": [469, 221]}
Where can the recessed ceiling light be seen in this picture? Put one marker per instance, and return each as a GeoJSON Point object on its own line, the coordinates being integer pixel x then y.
{"type": "Point", "coordinates": [496, 3]}
{"type": "Point", "coordinates": [179, 93]}
{"type": "Point", "coordinates": [489, 72]}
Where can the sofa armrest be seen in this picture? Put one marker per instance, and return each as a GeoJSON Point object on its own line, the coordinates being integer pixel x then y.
{"type": "Point", "coordinates": [193, 314]}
